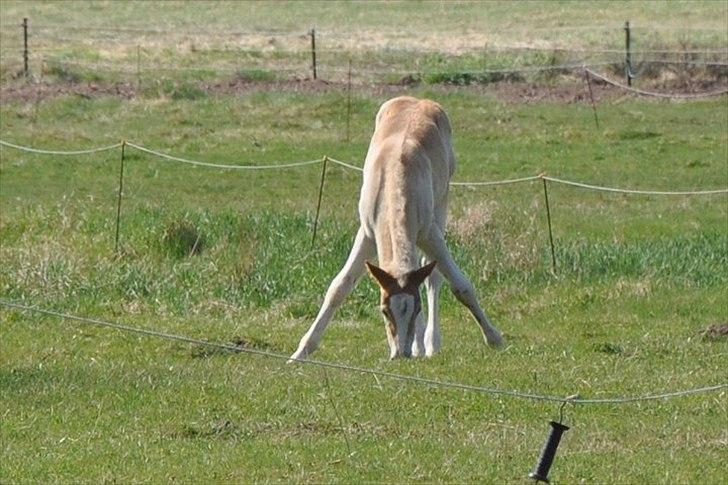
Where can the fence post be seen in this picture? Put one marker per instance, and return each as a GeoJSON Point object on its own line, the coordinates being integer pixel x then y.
{"type": "Point", "coordinates": [118, 200]}
{"type": "Point", "coordinates": [25, 47]}
{"type": "Point", "coordinates": [348, 104]}
{"type": "Point", "coordinates": [138, 66]}
{"type": "Point", "coordinates": [312, 33]}
{"type": "Point", "coordinates": [591, 97]}
{"type": "Point", "coordinates": [628, 52]}
{"type": "Point", "coordinates": [548, 220]}
{"type": "Point", "coordinates": [320, 196]}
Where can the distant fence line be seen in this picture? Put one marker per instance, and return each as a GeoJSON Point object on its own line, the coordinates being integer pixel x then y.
{"type": "Point", "coordinates": [628, 51]}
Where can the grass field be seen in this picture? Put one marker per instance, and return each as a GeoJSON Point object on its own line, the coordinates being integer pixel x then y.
{"type": "Point", "coordinates": [639, 281]}
{"type": "Point", "coordinates": [109, 41]}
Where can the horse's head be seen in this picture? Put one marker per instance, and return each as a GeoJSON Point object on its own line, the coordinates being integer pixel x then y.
{"type": "Point", "coordinates": [400, 304]}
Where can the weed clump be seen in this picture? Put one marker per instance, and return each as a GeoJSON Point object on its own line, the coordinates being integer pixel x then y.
{"type": "Point", "coordinates": [181, 239]}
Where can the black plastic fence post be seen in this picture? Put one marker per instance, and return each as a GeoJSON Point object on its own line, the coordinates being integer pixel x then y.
{"type": "Point", "coordinates": [25, 47]}
{"type": "Point", "coordinates": [320, 196]}
{"type": "Point", "coordinates": [118, 200]}
{"type": "Point", "coordinates": [313, 52]}
{"type": "Point", "coordinates": [548, 452]}
{"type": "Point", "coordinates": [628, 52]}
{"type": "Point", "coordinates": [548, 220]}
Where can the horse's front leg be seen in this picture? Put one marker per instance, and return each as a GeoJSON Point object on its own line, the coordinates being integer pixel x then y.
{"type": "Point", "coordinates": [435, 248]}
{"type": "Point", "coordinates": [363, 249]}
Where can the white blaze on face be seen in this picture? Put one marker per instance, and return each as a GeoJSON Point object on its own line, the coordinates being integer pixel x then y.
{"type": "Point", "coordinates": [399, 314]}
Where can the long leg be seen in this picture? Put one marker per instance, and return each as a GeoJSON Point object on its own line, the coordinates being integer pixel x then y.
{"type": "Point", "coordinates": [340, 287]}
{"type": "Point", "coordinates": [432, 331]}
{"type": "Point", "coordinates": [436, 249]}
{"type": "Point", "coordinates": [418, 345]}
{"type": "Point", "coordinates": [433, 283]}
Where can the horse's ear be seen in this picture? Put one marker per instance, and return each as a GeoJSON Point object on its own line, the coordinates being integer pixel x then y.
{"type": "Point", "coordinates": [385, 280]}
{"type": "Point", "coordinates": [415, 278]}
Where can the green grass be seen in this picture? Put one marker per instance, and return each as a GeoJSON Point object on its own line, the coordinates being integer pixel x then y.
{"type": "Point", "coordinates": [217, 39]}
{"type": "Point", "coordinates": [638, 280]}
{"type": "Point", "coordinates": [226, 255]}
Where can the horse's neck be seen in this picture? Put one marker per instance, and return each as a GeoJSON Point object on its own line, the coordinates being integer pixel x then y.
{"type": "Point", "coordinates": [396, 219]}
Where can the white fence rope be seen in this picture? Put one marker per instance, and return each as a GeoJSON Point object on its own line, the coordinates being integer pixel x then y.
{"type": "Point", "coordinates": [223, 166]}
{"type": "Point", "coordinates": [344, 164]}
{"type": "Point", "coordinates": [364, 370]}
{"type": "Point", "coordinates": [651, 93]}
{"type": "Point", "coordinates": [59, 152]}
{"type": "Point", "coordinates": [496, 182]}
{"type": "Point", "coordinates": [635, 191]}
{"type": "Point", "coordinates": [358, 169]}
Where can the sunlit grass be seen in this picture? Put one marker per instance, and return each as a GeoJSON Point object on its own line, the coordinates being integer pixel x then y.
{"type": "Point", "coordinates": [227, 256]}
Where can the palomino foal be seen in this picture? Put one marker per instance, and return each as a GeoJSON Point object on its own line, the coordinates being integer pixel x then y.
{"type": "Point", "coordinates": [402, 207]}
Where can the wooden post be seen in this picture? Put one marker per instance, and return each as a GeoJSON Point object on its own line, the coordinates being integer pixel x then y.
{"type": "Point", "coordinates": [312, 33]}
{"type": "Point", "coordinates": [320, 196]}
{"type": "Point", "coordinates": [548, 220]}
{"type": "Point", "coordinates": [628, 53]}
{"type": "Point", "coordinates": [118, 200]}
{"type": "Point", "coordinates": [348, 104]}
{"type": "Point", "coordinates": [591, 97]}
{"type": "Point", "coordinates": [25, 47]}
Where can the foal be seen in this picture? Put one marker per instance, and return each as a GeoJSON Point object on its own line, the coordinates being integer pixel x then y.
{"type": "Point", "coordinates": [403, 207]}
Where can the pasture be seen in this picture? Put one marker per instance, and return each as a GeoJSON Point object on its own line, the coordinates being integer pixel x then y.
{"type": "Point", "coordinates": [632, 309]}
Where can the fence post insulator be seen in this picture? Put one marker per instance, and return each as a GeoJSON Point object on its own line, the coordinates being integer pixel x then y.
{"type": "Point", "coordinates": [548, 452]}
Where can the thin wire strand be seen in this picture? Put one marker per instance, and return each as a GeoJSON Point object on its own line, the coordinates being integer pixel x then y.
{"type": "Point", "coordinates": [363, 370]}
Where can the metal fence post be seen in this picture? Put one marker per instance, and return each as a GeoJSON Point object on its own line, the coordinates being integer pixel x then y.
{"type": "Point", "coordinates": [548, 220]}
{"type": "Point", "coordinates": [313, 52]}
{"type": "Point", "coordinates": [628, 52]}
{"type": "Point", "coordinates": [118, 200]}
{"type": "Point", "coordinates": [320, 196]}
{"type": "Point", "coordinates": [591, 97]}
{"type": "Point", "coordinates": [25, 47]}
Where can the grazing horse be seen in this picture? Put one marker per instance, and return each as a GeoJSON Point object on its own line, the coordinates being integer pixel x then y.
{"type": "Point", "coordinates": [403, 207]}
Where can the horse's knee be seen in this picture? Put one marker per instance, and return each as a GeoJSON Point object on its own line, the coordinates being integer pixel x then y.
{"type": "Point", "coordinates": [463, 291]}
{"type": "Point", "coordinates": [340, 287]}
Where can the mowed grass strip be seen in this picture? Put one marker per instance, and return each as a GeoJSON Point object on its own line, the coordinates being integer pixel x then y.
{"type": "Point", "coordinates": [227, 257]}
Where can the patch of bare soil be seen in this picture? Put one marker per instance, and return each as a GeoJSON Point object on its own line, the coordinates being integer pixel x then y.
{"type": "Point", "coordinates": [715, 332]}
{"type": "Point", "coordinates": [33, 92]}
{"type": "Point", "coordinates": [569, 90]}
